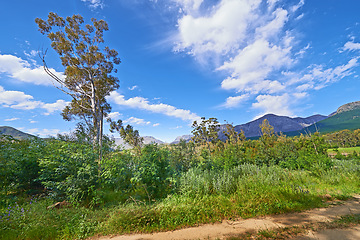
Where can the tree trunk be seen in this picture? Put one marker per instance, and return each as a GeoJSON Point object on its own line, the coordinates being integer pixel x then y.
{"type": "Point", "coordinates": [101, 139]}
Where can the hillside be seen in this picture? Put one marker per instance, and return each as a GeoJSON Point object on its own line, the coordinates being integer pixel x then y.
{"type": "Point", "coordinates": [344, 120]}
{"type": "Point", "coordinates": [348, 107]}
{"type": "Point", "coordinates": [280, 124]}
{"type": "Point", "coordinates": [17, 134]}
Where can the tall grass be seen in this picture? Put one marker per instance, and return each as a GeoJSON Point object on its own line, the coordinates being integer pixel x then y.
{"type": "Point", "coordinates": [246, 191]}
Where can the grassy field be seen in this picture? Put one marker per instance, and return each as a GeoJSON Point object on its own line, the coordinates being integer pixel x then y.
{"type": "Point", "coordinates": [349, 150]}
{"type": "Point", "coordinates": [204, 197]}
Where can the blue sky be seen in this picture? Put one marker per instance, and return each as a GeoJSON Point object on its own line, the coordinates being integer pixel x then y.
{"type": "Point", "coordinates": [235, 60]}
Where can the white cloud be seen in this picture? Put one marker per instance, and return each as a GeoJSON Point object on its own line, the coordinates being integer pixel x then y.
{"type": "Point", "coordinates": [11, 119]}
{"type": "Point", "coordinates": [114, 115]}
{"type": "Point", "coordinates": [22, 70]}
{"type": "Point", "coordinates": [20, 100]}
{"type": "Point", "coordinates": [136, 121]}
{"type": "Point", "coordinates": [31, 54]}
{"type": "Point", "coordinates": [273, 104]}
{"type": "Point", "coordinates": [94, 3]}
{"type": "Point", "coordinates": [144, 104]}
{"type": "Point", "coordinates": [249, 41]}
{"type": "Point", "coordinates": [189, 5]}
{"type": "Point", "coordinates": [317, 76]}
{"type": "Point", "coordinates": [351, 46]}
{"type": "Point", "coordinates": [156, 124]}
{"type": "Point", "coordinates": [220, 32]}
{"type": "Point", "coordinates": [56, 106]}
{"type": "Point", "coordinates": [133, 87]}
{"type": "Point", "coordinates": [12, 97]}
{"type": "Point", "coordinates": [232, 102]}
{"type": "Point", "coordinates": [253, 43]}
{"type": "Point", "coordinates": [43, 132]}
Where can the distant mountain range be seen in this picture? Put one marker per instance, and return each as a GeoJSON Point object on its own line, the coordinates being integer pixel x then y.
{"type": "Point", "coordinates": [183, 137]}
{"type": "Point", "coordinates": [147, 140]}
{"type": "Point", "coordinates": [346, 117]}
{"type": "Point", "coordinates": [280, 124]}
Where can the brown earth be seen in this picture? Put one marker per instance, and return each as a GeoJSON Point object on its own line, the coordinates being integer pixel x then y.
{"type": "Point", "coordinates": [231, 228]}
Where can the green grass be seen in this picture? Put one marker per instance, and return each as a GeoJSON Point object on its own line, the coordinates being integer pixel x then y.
{"type": "Point", "coordinates": [203, 197]}
{"type": "Point", "coordinates": [348, 150]}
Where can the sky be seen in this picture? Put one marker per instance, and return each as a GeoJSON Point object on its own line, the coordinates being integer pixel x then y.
{"type": "Point", "coordinates": [235, 60]}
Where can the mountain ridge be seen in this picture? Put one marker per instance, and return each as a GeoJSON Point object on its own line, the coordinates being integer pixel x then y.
{"type": "Point", "coordinates": [15, 133]}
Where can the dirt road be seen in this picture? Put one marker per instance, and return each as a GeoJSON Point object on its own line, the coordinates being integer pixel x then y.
{"type": "Point", "coordinates": [228, 228]}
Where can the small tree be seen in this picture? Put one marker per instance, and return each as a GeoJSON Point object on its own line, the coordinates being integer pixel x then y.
{"type": "Point", "coordinates": [88, 68]}
{"type": "Point", "coordinates": [233, 136]}
{"type": "Point", "coordinates": [130, 136]}
{"type": "Point", "coordinates": [206, 131]}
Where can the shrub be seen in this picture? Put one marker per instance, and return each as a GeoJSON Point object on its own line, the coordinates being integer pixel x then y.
{"type": "Point", "coordinates": [152, 173]}
{"type": "Point", "coordinates": [69, 170]}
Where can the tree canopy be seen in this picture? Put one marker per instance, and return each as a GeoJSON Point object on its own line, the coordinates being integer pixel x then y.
{"type": "Point", "coordinates": [88, 68]}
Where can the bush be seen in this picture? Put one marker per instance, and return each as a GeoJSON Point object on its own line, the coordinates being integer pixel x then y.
{"type": "Point", "coordinates": [69, 170]}
{"type": "Point", "coordinates": [19, 167]}
{"type": "Point", "coordinates": [152, 173]}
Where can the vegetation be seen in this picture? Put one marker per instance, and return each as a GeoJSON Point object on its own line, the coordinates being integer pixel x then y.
{"type": "Point", "coordinates": [344, 120]}
{"type": "Point", "coordinates": [150, 187]}
{"type": "Point", "coordinates": [88, 69]}
{"type": "Point", "coordinates": [156, 188]}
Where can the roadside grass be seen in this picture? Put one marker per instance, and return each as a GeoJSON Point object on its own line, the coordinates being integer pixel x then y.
{"type": "Point", "coordinates": [203, 196]}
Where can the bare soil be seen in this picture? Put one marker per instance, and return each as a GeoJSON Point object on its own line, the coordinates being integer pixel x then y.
{"type": "Point", "coordinates": [231, 228]}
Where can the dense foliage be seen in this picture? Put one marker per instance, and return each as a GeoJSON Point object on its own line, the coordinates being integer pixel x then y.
{"type": "Point", "coordinates": [165, 187]}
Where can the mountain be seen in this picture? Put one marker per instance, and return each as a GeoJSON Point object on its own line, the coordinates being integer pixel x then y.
{"type": "Point", "coordinates": [280, 124]}
{"type": "Point", "coordinates": [17, 134]}
{"type": "Point", "coordinates": [184, 137]}
{"type": "Point", "coordinates": [348, 107]}
{"type": "Point", "coordinates": [346, 117]}
{"type": "Point", "coordinates": [150, 139]}
{"type": "Point", "coordinates": [147, 140]}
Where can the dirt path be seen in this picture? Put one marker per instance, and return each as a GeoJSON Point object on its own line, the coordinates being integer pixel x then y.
{"type": "Point", "coordinates": [228, 228]}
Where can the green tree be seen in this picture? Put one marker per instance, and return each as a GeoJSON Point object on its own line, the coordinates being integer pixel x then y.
{"type": "Point", "coordinates": [233, 136]}
{"type": "Point", "coordinates": [206, 131]}
{"type": "Point", "coordinates": [130, 136]}
{"type": "Point", "coordinates": [88, 68]}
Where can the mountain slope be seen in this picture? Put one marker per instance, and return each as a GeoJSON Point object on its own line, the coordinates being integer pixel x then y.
{"type": "Point", "coordinates": [344, 120]}
{"type": "Point", "coordinates": [280, 124]}
{"type": "Point", "coordinates": [17, 134]}
{"type": "Point", "coordinates": [183, 137]}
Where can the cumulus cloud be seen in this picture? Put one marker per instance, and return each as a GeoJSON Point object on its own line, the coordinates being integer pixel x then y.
{"type": "Point", "coordinates": [232, 102]}
{"type": "Point", "coordinates": [22, 101]}
{"type": "Point", "coordinates": [114, 115]}
{"type": "Point", "coordinates": [276, 104]}
{"type": "Point", "coordinates": [22, 70]}
{"type": "Point", "coordinates": [248, 39]}
{"type": "Point", "coordinates": [252, 43]}
{"type": "Point", "coordinates": [352, 46]}
{"type": "Point", "coordinates": [136, 121]}
{"type": "Point", "coordinates": [56, 106]}
{"type": "Point", "coordinates": [8, 98]}
{"type": "Point", "coordinates": [144, 104]}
